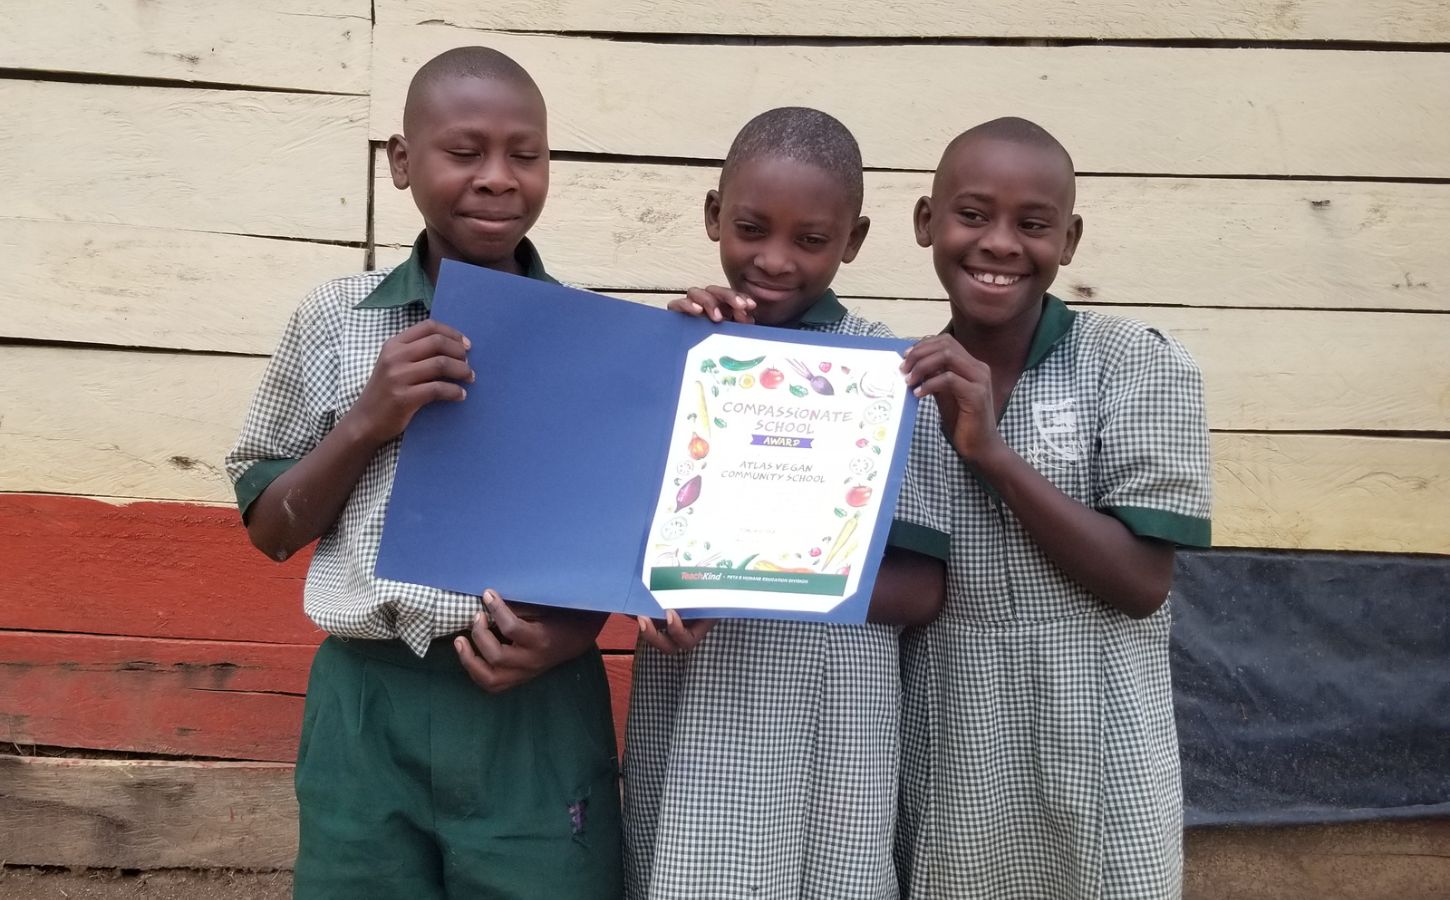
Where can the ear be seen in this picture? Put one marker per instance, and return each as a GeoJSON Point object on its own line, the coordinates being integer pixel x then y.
{"type": "Point", "coordinates": [398, 160]}
{"type": "Point", "coordinates": [1074, 234]}
{"type": "Point", "coordinates": [921, 221]}
{"type": "Point", "coordinates": [856, 238]}
{"type": "Point", "coordinates": [712, 215]}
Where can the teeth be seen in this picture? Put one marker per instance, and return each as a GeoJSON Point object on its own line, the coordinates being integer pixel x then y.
{"type": "Point", "coordinates": [989, 278]}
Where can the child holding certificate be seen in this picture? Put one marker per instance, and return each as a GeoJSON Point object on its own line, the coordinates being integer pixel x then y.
{"type": "Point", "coordinates": [1039, 757]}
{"type": "Point", "coordinates": [761, 758]}
{"type": "Point", "coordinates": [432, 763]}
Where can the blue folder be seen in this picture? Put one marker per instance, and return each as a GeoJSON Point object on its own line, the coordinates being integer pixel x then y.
{"type": "Point", "coordinates": [542, 483]}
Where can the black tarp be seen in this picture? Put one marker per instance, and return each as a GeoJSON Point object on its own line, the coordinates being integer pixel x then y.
{"type": "Point", "coordinates": [1312, 687]}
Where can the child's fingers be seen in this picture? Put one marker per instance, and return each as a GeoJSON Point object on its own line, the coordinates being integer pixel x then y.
{"type": "Point", "coordinates": [652, 636]}
{"type": "Point", "coordinates": [434, 343]}
{"type": "Point", "coordinates": [433, 327]}
{"type": "Point", "coordinates": [687, 306]}
{"type": "Point", "coordinates": [515, 629]}
{"type": "Point", "coordinates": [479, 671]}
{"type": "Point", "coordinates": [686, 637]}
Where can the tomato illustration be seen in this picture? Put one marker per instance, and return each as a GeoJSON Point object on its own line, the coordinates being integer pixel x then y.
{"type": "Point", "coordinates": [772, 378]}
{"type": "Point", "coordinates": [859, 495]}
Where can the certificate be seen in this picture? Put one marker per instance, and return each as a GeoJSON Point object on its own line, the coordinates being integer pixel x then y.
{"type": "Point", "coordinates": [614, 456]}
{"type": "Point", "coordinates": [774, 476]}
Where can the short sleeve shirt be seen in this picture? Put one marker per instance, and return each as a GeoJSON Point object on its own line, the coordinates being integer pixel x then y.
{"type": "Point", "coordinates": [324, 360]}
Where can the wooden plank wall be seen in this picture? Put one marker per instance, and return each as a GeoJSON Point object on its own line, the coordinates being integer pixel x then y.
{"type": "Point", "coordinates": [1269, 182]}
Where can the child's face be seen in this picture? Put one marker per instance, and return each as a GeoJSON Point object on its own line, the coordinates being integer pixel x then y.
{"type": "Point", "coordinates": [784, 228]}
{"type": "Point", "coordinates": [477, 160]}
{"type": "Point", "coordinates": [999, 222]}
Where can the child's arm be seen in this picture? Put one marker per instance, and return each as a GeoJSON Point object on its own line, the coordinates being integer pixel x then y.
{"type": "Point", "coordinates": [504, 649]}
{"type": "Point", "coordinates": [715, 303]}
{"type": "Point", "coordinates": [414, 368]}
{"type": "Point", "coordinates": [910, 588]}
{"type": "Point", "coordinates": [1129, 572]}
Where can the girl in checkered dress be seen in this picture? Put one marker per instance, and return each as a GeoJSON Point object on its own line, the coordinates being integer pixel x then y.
{"type": "Point", "coordinates": [761, 758]}
{"type": "Point", "coordinates": [1039, 757]}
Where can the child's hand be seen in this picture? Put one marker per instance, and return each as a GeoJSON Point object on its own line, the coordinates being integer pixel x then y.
{"type": "Point", "coordinates": [962, 385]}
{"type": "Point", "coordinates": [715, 303]}
{"type": "Point", "coordinates": [416, 367]}
{"type": "Point", "coordinates": [528, 648]}
{"type": "Point", "coordinates": [677, 636]}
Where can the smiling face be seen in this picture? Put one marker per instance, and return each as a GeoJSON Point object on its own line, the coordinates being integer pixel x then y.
{"type": "Point", "coordinates": [476, 156]}
{"type": "Point", "coordinates": [784, 228]}
{"type": "Point", "coordinates": [999, 223]}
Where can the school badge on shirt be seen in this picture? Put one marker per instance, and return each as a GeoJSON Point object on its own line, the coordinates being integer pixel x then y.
{"type": "Point", "coordinates": [1058, 444]}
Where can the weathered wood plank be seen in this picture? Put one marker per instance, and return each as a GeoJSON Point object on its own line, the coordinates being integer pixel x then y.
{"type": "Point", "coordinates": [121, 424]}
{"type": "Point", "coordinates": [230, 699]}
{"type": "Point", "coordinates": [1331, 493]}
{"type": "Point", "coordinates": [1282, 370]}
{"type": "Point", "coordinates": [263, 163]}
{"type": "Point", "coordinates": [156, 287]}
{"type": "Point", "coordinates": [1183, 111]}
{"type": "Point", "coordinates": [73, 564]}
{"type": "Point", "coordinates": [146, 814]}
{"type": "Point", "coordinates": [1316, 20]}
{"type": "Point", "coordinates": [155, 426]}
{"type": "Point", "coordinates": [322, 45]}
{"type": "Point", "coordinates": [1407, 860]}
{"type": "Point", "coordinates": [1211, 242]}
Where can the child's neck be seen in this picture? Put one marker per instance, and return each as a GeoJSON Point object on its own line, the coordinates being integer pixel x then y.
{"type": "Point", "coordinates": [432, 262]}
{"type": "Point", "coordinates": [1004, 349]}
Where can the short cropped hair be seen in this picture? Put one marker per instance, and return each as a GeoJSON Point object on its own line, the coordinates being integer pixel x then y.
{"type": "Point", "coordinates": [803, 135]}
{"type": "Point", "coordinates": [1016, 131]}
{"type": "Point", "coordinates": [465, 62]}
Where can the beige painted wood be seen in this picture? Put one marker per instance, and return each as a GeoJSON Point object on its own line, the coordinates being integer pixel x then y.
{"type": "Point", "coordinates": [1364, 861]}
{"type": "Point", "coordinates": [121, 424]}
{"type": "Point", "coordinates": [151, 425]}
{"type": "Point", "coordinates": [1331, 493]}
{"type": "Point", "coordinates": [320, 45]}
{"type": "Point", "coordinates": [1404, 20]}
{"type": "Point", "coordinates": [1119, 109]}
{"type": "Point", "coordinates": [1280, 370]}
{"type": "Point", "coordinates": [146, 814]}
{"type": "Point", "coordinates": [1194, 242]}
{"type": "Point", "coordinates": [265, 163]}
{"type": "Point", "coordinates": [1283, 370]}
{"type": "Point", "coordinates": [124, 285]}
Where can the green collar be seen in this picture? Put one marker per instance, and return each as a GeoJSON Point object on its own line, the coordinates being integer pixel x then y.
{"type": "Point", "coordinates": [408, 283]}
{"type": "Point", "coordinates": [825, 311]}
{"type": "Point", "coordinates": [1052, 327]}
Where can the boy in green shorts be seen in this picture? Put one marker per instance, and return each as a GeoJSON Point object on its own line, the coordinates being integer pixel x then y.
{"type": "Point", "coordinates": [445, 752]}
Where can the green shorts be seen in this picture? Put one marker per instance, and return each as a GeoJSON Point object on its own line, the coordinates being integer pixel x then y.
{"type": "Point", "coordinates": [414, 783]}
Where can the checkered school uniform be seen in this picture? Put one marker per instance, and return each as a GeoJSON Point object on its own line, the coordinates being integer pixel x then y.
{"type": "Point", "coordinates": [1039, 757]}
{"type": "Point", "coordinates": [324, 361]}
{"type": "Point", "coordinates": [763, 763]}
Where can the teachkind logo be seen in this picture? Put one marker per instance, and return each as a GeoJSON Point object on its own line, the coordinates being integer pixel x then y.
{"type": "Point", "coordinates": [1058, 442]}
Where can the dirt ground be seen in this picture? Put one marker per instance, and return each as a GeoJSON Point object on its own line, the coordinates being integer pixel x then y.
{"type": "Point", "coordinates": [24, 883]}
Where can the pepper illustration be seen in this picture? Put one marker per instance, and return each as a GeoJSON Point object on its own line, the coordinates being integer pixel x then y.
{"type": "Point", "coordinates": [699, 447]}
